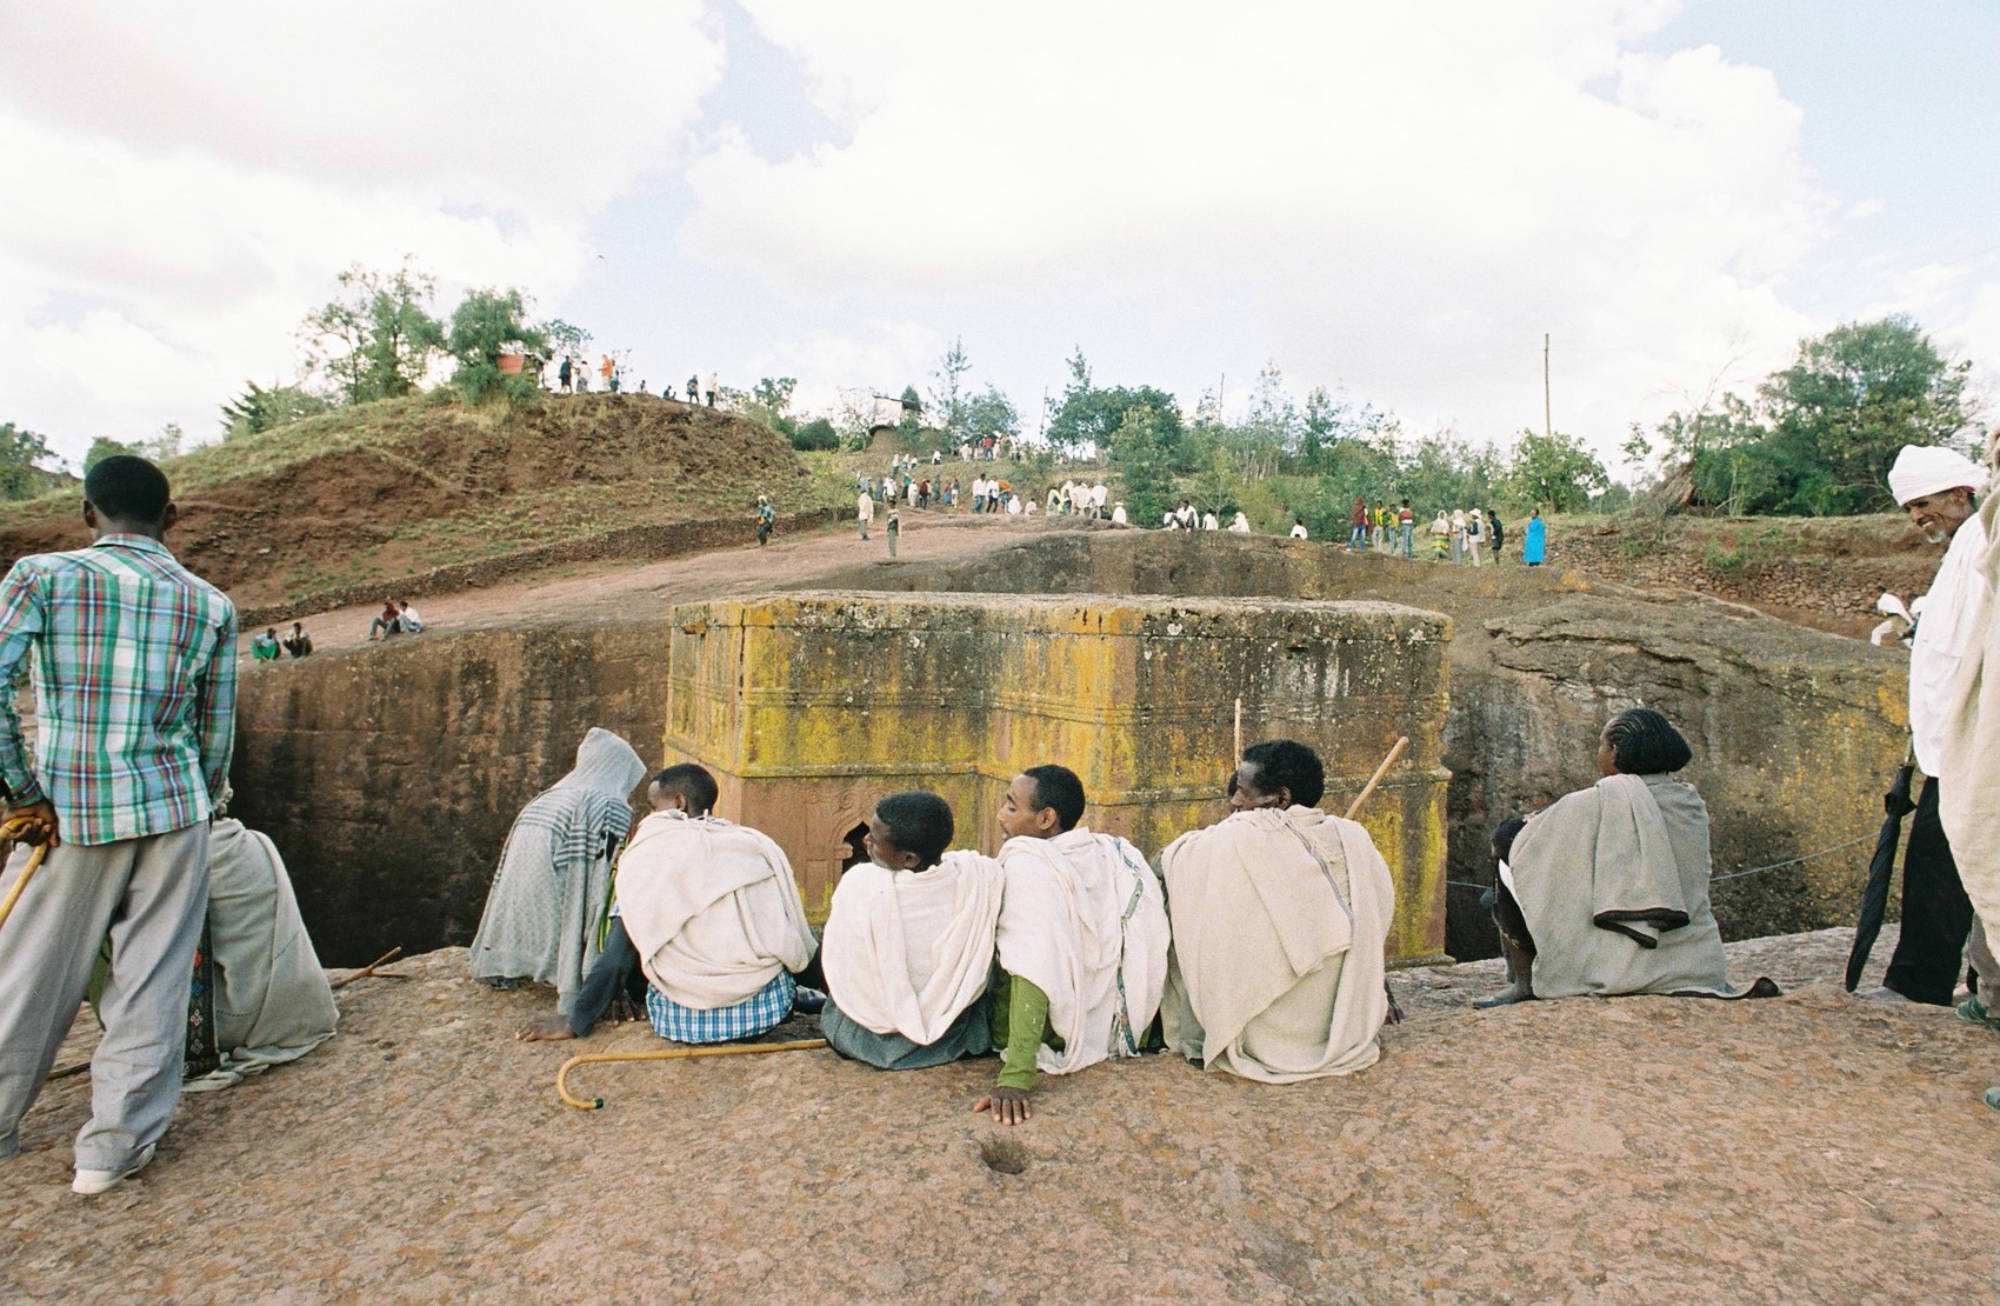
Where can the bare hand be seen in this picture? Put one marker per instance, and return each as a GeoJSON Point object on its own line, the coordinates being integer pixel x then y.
{"type": "Point", "coordinates": [1008, 1105]}
{"type": "Point", "coordinates": [41, 818]}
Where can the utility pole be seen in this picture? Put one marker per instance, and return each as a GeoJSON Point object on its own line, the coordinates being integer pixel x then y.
{"type": "Point", "coordinates": [1548, 427]}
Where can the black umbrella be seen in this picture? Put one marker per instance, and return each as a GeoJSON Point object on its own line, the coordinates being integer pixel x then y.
{"type": "Point", "coordinates": [1875, 898]}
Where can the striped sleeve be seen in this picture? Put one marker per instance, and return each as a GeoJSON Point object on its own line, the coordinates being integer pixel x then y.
{"type": "Point", "coordinates": [21, 620]}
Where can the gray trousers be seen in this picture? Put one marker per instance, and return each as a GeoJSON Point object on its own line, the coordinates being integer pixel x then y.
{"type": "Point", "coordinates": [150, 896]}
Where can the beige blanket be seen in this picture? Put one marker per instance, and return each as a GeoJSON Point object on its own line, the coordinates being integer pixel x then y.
{"type": "Point", "coordinates": [1968, 791]}
{"type": "Point", "coordinates": [892, 979]}
{"type": "Point", "coordinates": [711, 908]}
{"type": "Point", "coordinates": [1280, 920]}
{"type": "Point", "coordinates": [1613, 882]}
{"type": "Point", "coordinates": [1083, 919]}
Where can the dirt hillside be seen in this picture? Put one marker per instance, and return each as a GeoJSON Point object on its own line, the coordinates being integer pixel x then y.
{"type": "Point", "coordinates": [391, 489]}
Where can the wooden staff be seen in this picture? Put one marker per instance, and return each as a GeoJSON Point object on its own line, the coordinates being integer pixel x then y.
{"type": "Point", "coordinates": [1238, 755]}
{"type": "Point", "coordinates": [10, 833]}
{"type": "Point", "coordinates": [1380, 771]}
{"type": "Point", "coordinates": [674, 1054]}
{"type": "Point", "coordinates": [369, 969]}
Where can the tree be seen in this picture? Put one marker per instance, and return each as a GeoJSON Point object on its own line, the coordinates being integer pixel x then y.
{"type": "Point", "coordinates": [21, 452]}
{"type": "Point", "coordinates": [819, 433]}
{"type": "Point", "coordinates": [1086, 417]}
{"type": "Point", "coordinates": [485, 325]}
{"type": "Point", "coordinates": [948, 393]}
{"type": "Point", "coordinates": [1849, 401]}
{"type": "Point", "coordinates": [1144, 445]}
{"type": "Point", "coordinates": [913, 412]}
{"type": "Point", "coordinates": [566, 340]}
{"type": "Point", "coordinates": [377, 339]}
{"type": "Point", "coordinates": [105, 447]}
{"type": "Point", "coordinates": [769, 402]}
{"type": "Point", "coordinates": [260, 409]}
{"type": "Point", "coordinates": [1555, 470]}
{"type": "Point", "coordinates": [991, 413]}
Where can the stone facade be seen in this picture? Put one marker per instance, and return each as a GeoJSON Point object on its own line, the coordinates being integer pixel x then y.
{"type": "Point", "coordinates": [809, 707]}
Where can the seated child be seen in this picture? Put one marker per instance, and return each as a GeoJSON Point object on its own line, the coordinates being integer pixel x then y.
{"type": "Point", "coordinates": [909, 942]}
{"type": "Point", "coordinates": [1082, 941]}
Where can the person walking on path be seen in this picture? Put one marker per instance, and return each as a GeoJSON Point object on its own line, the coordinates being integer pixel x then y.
{"type": "Point", "coordinates": [1407, 520]}
{"type": "Point", "coordinates": [893, 528]}
{"type": "Point", "coordinates": [134, 663]}
{"type": "Point", "coordinates": [767, 518]}
{"type": "Point", "coordinates": [710, 388]}
{"type": "Point", "coordinates": [1499, 533]}
{"type": "Point", "coordinates": [864, 511]}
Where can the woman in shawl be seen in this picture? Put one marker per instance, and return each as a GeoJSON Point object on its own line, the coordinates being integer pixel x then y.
{"type": "Point", "coordinates": [553, 887]}
{"type": "Point", "coordinates": [1606, 891]}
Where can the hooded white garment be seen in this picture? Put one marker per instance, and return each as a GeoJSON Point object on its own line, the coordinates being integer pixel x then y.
{"type": "Point", "coordinates": [554, 881]}
{"type": "Point", "coordinates": [1957, 618]}
{"type": "Point", "coordinates": [1280, 924]}
{"type": "Point", "coordinates": [711, 908]}
{"type": "Point", "coordinates": [272, 1000]}
{"type": "Point", "coordinates": [1967, 731]}
{"type": "Point", "coordinates": [907, 951]}
{"type": "Point", "coordinates": [1082, 918]}
{"type": "Point", "coordinates": [1241, 525]}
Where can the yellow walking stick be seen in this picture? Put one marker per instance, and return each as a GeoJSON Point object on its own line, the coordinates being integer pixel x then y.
{"type": "Point", "coordinates": [10, 833]}
{"type": "Point", "coordinates": [1401, 743]}
{"type": "Point", "coordinates": [674, 1054]}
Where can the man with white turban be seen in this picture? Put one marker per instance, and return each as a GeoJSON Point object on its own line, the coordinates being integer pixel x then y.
{"type": "Point", "coordinates": [1937, 487]}
{"type": "Point", "coordinates": [553, 888]}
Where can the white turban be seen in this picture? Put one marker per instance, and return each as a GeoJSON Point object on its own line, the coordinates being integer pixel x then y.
{"type": "Point", "coordinates": [1928, 469]}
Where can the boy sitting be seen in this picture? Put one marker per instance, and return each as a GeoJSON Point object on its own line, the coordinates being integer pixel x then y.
{"type": "Point", "coordinates": [1082, 940]}
{"type": "Point", "coordinates": [909, 942]}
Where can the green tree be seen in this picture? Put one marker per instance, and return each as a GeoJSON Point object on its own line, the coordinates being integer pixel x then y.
{"type": "Point", "coordinates": [260, 409]}
{"type": "Point", "coordinates": [1143, 448]}
{"type": "Point", "coordinates": [913, 413]}
{"type": "Point", "coordinates": [1848, 402]}
{"type": "Point", "coordinates": [769, 402]}
{"type": "Point", "coordinates": [990, 412]}
{"type": "Point", "coordinates": [819, 433]}
{"type": "Point", "coordinates": [105, 447]}
{"type": "Point", "coordinates": [1556, 471]}
{"type": "Point", "coordinates": [566, 340]}
{"type": "Point", "coordinates": [485, 325]}
{"type": "Point", "coordinates": [21, 453]}
{"type": "Point", "coordinates": [378, 337]}
{"type": "Point", "coordinates": [1087, 417]}
{"type": "Point", "coordinates": [948, 392]}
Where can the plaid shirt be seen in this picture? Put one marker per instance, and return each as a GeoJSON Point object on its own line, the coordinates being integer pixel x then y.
{"type": "Point", "coordinates": [135, 688]}
{"type": "Point", "coordinates": [760, 1011]}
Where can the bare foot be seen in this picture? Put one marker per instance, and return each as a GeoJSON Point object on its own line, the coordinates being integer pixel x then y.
{"type": "Point", "coordinates": [549, 1028]}
{"type": "Point", "coordinates": [1514, 993]}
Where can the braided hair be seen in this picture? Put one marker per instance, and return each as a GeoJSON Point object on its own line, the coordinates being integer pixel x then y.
{"type": "Point", "coordinates": [1645, 743]}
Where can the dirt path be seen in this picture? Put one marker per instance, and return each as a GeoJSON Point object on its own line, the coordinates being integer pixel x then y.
{"type": "Point", "coordinates": [607, 590]}
{"type": "Point", "coordinates": [1812, 1148]}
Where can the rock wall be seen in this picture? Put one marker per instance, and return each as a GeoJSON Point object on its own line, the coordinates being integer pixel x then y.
{"type": "Point", "coordinates": [1795, 732]}
{"type": "Point", "coordinates": [810, 707]}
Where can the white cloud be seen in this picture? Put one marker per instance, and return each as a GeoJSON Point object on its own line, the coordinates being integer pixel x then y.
{"type": "Point", "coordinates": [200, 173]}
{"type": "Point", "coordinates": [1402, 196]}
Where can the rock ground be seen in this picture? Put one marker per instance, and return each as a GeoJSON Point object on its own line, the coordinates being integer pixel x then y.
{"type": "Point", "coordinates": [1812, 1148]}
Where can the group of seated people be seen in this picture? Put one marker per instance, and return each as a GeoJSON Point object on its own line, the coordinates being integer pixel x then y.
{"type": "Point", "coordinates": [1254, 946]}
{"type": "Point", "coordinates": [267, 646]}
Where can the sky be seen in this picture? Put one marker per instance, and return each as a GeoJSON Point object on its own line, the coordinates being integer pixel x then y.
{"type": "Point", "coordinates": [1394, 201]}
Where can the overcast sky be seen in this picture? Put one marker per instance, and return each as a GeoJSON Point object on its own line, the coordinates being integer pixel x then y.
{"type": "Point", "coordinates": [1397, 199]}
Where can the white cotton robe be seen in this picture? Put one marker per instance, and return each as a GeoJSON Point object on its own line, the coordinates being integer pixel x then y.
{"type": "Point", "coordinates": [1083, 919]}
{"type": "Point", "coordinates": [1965, 719]}
{"type": "Point", "coordinates": [907, 951]}
{"type": "Point", "coordinates": [711, 908]}
{"type": "Point", "coordinates": [1280, 927]}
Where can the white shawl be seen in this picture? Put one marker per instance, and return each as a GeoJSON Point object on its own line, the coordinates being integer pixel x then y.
{"type": "Point", "coordinates": [892, 984]}
{"type": "Point", "coordinates": [1083, 919]}
{"type": "Point", "coordinates": [1265, 904]}
{"type": "Point", "coordinates": [711, 908]}
{"type": "Point", "coordinates": [1969, 735]}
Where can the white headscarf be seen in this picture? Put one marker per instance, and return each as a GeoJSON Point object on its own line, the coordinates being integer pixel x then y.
{"type": "Point", "coordinates": [605, 763]}
{"type": "Point", "coordinates": [1928, 469]}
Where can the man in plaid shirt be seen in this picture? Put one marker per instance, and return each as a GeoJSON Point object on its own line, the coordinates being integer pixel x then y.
{"type": "Point", "coordinates": [134, 663]}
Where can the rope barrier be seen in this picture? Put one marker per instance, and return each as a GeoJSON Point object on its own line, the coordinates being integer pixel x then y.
{"type": "Point", "coordinates": [1730, 875]}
